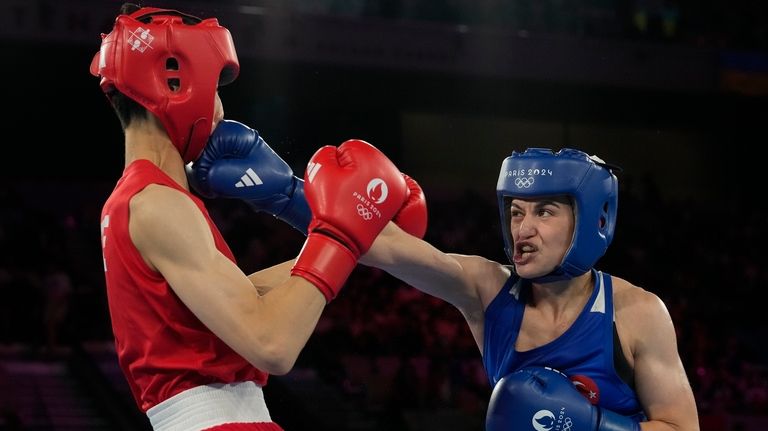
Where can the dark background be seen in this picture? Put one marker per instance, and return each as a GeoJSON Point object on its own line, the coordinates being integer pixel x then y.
{"type": "Point", "coordinates": [447, 89]}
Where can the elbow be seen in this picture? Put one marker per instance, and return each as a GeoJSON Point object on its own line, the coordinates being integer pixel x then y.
{"type": "Point", "coordinates": [280, 365]}
{"type": "Point", "coordinates": [281, 368]}
{"type": "Point", "coordinates": [274, 358]}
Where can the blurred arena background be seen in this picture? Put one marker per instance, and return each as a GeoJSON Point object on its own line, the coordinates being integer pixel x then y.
{"type": "Point", "coordinates": [674, 91]}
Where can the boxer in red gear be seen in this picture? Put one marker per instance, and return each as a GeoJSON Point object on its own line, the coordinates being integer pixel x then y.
{"type": "Point", "coordinates": [196, 338]}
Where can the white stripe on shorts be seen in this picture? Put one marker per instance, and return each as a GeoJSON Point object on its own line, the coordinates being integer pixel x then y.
{"type": "Point", "coordinates": [210, 405]}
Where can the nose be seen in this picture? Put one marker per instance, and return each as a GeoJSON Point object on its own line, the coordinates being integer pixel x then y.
{"type": "Point", "coordinates": [526, 228]}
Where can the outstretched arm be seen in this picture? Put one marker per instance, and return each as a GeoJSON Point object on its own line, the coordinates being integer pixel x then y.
{"type": "Point", "coordinates": [467, 282]}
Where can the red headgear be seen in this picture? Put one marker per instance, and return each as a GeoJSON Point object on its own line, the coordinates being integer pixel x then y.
{"type": "Point", "coordinates": [171, 63]}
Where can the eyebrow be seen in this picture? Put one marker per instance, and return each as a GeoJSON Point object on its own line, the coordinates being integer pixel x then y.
{"type": "Point", "coordinates": [545, 202]}
{"type": "Point", "coordinates": [540, 203]}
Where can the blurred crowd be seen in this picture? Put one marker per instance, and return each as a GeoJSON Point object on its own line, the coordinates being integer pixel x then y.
{"type": "Point", "coordinates": [391, 347]}
{"type": "Point", "coordinates": [737, 24]}
{"type": "Point", "coordinates": [729, 24]}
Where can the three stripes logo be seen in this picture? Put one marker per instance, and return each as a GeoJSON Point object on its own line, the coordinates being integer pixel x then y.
{"type": "Point", "coordinates": [312, 168]}
{"type": "Point", "coordinates": [249, 179]}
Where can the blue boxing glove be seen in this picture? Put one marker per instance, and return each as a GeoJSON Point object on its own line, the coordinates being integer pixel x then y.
{"type": "Point", "coordinates": [237, 163]}
{"type": "Point", "coordinates": [544, 399]}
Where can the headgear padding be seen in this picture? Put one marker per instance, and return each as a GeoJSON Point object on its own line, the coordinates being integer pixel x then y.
{"type": "Point", "coordinates": [171, 63]}
{"type": "Point", "coordinates": [539, 172]}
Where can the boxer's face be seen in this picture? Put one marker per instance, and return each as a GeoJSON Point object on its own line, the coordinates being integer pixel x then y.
{"type": "Point", "coordinates": [542, 230]}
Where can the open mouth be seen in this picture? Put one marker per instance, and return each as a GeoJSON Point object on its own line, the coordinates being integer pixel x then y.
{"type": "Point", "coordinates": [523, 252]}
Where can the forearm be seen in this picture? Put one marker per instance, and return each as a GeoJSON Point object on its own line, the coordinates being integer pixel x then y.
{"type": "Point", "coordinates": [417, 263]}
{"type": "Point", "coordinates": [657, 425]}
{"type": "Point", "coordinates": [266, 279]}
{"type": "Point", "coordinates": [268, 330]}
{"type": "Point", "coordinates": [287, 318]}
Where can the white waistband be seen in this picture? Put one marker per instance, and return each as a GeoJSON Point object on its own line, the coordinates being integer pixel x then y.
{"type": "Point", "coordinates": [210, 405]}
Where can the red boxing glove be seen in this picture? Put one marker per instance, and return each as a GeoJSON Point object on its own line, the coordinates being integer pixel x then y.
{"type": "Point", "coordinates": [353, 191]}
{"type": "Point", "coordinates": [412, 216]}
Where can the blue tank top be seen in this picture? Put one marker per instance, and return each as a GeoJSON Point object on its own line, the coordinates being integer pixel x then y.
{"type": "Point", "coordinates": [586, 348]}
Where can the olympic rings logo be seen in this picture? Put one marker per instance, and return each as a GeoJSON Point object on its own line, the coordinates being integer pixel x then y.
{"type": "Point", "coordinates": [524, 183]}
{"type": "Point", "coordinates": [567, 424]}
{"type": "Point", "coordinates": [364, 212]}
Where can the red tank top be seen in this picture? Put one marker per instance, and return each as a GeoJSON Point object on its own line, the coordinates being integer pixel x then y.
{"type": "Point", "coordinates": [162, 347]}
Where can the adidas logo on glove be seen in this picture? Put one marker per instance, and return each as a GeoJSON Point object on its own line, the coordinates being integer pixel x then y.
{"type": "Point", "coordinates": [249, 179]}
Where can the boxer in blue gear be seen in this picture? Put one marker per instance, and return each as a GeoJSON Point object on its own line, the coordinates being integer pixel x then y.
{"type": "Point", "coordinates": [551, 307]}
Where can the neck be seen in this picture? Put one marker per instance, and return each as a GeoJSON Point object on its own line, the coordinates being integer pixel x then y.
{"type": "Point", "coordinates": [563, 295]}
{"type": "Point", "coordinates": [151, 143]}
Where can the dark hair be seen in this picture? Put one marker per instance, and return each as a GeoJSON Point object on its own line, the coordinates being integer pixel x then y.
{"type": "Point", "coordinates": [129, 8]}
{"type": "Point", "coordinates": [126, 108]}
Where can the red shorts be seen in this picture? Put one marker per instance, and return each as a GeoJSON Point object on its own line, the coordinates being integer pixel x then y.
{"type": "Point", "coordinates": [261, 426]}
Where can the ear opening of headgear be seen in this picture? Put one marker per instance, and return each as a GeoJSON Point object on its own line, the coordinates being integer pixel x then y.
{"type": "Point", "coordinates": [587, 180]}
{"type": "Point", "coordinates": [171, 63]}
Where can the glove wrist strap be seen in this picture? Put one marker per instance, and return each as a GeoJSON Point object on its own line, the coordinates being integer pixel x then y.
{"type": "Point", "coordinates": [326, 263]}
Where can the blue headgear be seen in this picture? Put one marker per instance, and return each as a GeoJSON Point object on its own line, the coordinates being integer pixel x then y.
{"type": "Point", "coordinates": [588, 180]}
